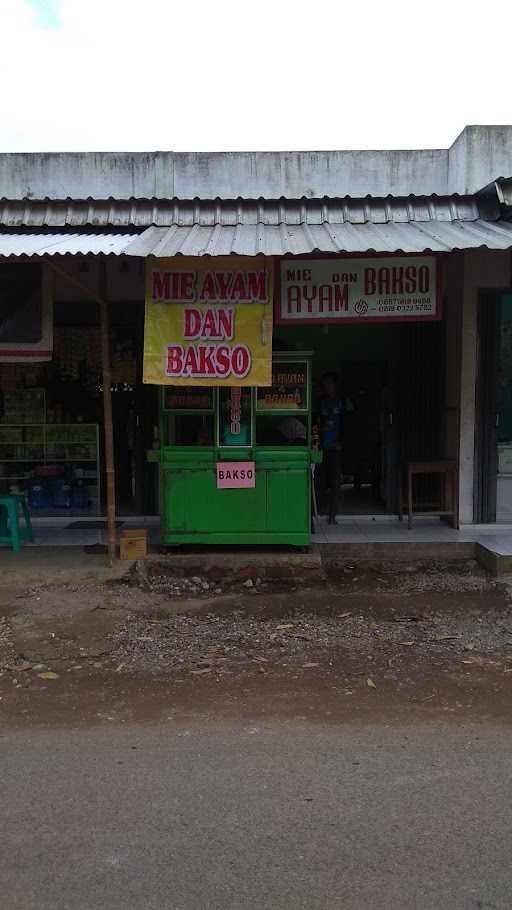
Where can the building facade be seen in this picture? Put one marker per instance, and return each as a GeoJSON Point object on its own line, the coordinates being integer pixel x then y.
{"type": "Point", "coordinates": [393, 270]}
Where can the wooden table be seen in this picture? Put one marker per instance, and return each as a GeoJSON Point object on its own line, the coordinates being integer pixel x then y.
{"type": "Point", "coordinates": [447, 470]}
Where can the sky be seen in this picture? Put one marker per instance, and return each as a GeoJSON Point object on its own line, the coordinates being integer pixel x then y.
{"type": "Point", "coordinates": [212, 75]}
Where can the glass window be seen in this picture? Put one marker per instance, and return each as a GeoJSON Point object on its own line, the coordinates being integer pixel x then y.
{"type": "Point", "coordinates": [188, 398]}
{"type": "Point", "coordinates": [188, 430]}
{"type": "Point", "coordinates": [235, 416]}
{"type": "Point", "coordinates": [281, 430]}
{"type": "Point", "coordinates": [288, 391]}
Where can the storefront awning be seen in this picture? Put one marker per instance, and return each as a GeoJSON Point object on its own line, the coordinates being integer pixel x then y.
{"type": "Point", "coordinates": [145, 227]}
{"type": "Point", "coordinates": [43, 244]}
{"type": "Point", "coordinates": [328, 237]}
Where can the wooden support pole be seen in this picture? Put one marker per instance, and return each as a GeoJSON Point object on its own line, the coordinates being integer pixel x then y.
{"type": "Point", "coordinates": [107, 420]}
{"type": "Point", "coordinates": [107, 398]}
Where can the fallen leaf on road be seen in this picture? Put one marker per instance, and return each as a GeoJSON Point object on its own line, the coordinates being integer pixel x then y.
{"type": "Point", "coordinates": [310, 664]}
{"type": "Point", "coordinates": [261, 660]}
{"type": "Point", "coordinates": [49, 674]}
{"type": "Point", "coordinates": [285, 625]}
{"type": "Point", "coordinates": [200, 672]}
{"type": "Point", "coordinates": [23, 665]}
{"type": "Point", "coordinates": [407, 643]}
{"type": "Point", "coordinates": [370, 683]}
{"type": "Point", "coordinates": [445, 638]}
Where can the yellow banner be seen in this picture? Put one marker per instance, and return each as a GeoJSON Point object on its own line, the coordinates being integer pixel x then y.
{"type": "Point", "coordinates": [208, 321]}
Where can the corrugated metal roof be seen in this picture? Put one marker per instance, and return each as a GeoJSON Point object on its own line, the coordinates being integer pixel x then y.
{"type": "Point", "coordinates": [279, 240]}
{"type": "Point", "coordinates": [504, 190]}
{"type": "Point", "coordinates": [142, 213]}
{"type": "Point", "coordinates": [62, 244]}
{"type": "Point", "coordinates": [268, 227]}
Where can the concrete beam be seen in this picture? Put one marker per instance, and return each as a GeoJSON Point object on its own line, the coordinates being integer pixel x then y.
{"type": "Point", "coordinates": [478, 156]}
{"type": "Point", "coordinates": [83, 175]}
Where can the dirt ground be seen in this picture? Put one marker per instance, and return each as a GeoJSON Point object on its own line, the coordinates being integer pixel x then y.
{"type": "Point", "coordinates": [354, 640]}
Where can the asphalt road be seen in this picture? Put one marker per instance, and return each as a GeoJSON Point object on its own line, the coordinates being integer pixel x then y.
{"type": "Point", "coordinates": [273, 814]}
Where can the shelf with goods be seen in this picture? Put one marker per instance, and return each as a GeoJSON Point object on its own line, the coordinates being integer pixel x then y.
{"type": "Point", "coordinates": [57, 465]}
{"type": "Point", "coordinates": [22, 406]}
{"type": "Point", "coordinates": [71, 442]}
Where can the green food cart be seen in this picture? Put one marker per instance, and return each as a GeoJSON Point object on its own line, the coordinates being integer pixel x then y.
{"type": "Point", "coordinates": [235, 462]}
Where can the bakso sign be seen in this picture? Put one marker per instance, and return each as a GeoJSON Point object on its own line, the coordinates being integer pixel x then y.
{"type": "Point", "coordinates": [389, 289]}
{"type": "Point", "coordinates": [236, 475]}
{"type": "Point", "coordinates": [208, 321]}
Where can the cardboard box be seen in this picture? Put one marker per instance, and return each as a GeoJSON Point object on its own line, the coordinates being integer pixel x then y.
{"type": "Point", "coordinates": [133, 543]}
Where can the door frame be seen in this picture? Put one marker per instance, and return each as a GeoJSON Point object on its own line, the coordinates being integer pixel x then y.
{"type": "Point", "coordinates": [486, 405]}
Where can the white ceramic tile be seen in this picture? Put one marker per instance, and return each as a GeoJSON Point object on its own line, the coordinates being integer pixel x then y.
{"type": "Point", "coordinates": [349, 529]}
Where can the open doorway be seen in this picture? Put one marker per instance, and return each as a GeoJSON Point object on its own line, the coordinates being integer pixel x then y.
{"type": "Point", "coordinates": [391, 381]}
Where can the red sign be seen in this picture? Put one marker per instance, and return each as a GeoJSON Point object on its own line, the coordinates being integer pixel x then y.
{"type": "Point", "coordinates": [236, 475]}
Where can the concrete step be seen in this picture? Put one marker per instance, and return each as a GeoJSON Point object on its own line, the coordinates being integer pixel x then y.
{"type": "Point", "coordinates": [402, 551]}
{"type": "Point", "coordinates": [492, 558]}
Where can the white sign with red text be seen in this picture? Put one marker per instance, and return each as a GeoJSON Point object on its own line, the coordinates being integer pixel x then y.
{"type": "Point", "coordinates": [391, 288]}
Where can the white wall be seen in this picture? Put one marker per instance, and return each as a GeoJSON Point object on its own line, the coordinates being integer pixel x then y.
{"type": "Point", "coordinates": [482, 270]}
{"type": "Point", "coordinates": [479, 155]}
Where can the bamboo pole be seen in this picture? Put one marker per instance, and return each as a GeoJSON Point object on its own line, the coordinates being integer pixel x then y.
{"type": "Point", "coordinates": [107, 398]}
{"type": "Point", "coordinates": [107, 419]}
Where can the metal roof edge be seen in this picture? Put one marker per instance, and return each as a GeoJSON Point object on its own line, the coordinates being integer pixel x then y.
{"type": "Point", "coordinates": [31, 200]}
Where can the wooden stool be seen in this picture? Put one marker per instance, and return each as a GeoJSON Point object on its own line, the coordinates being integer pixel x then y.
{"type": "Point", "coordinates": [10, 530]}
{"type": "Point", "coordinates": [448, 505]}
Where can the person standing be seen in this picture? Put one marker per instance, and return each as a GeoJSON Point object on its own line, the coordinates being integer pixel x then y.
{"type": "Point", "coordinates": [330, 414]}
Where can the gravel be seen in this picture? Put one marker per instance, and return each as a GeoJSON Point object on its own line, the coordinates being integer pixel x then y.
{"type": "Point", "coordinates": [233, 640]}
{"type": "Point", "coordinates": [358, 614]}
{"type": "Point", "coordinates": [455, 577]}
{"type": "Point", "coordinates": [7, 652]}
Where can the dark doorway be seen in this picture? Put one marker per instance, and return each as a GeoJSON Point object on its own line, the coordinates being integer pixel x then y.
{"type": "Point", "coordinates": [493, 437]}
{"type": "Point", "coordinates": [363, 388]}
{"type": "Point", "coordinates": [393, 381]}
{"type": "Point", "coordinates": [397, 416]}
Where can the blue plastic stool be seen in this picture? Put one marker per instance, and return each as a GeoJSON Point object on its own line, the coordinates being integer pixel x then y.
{"type": "Point", "coordinates": [10, 530]}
